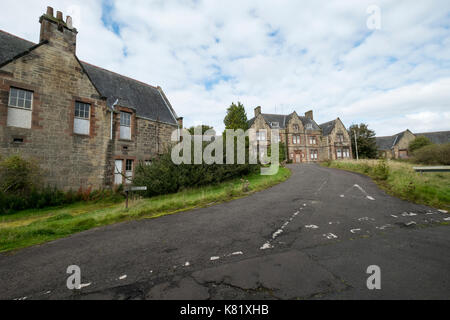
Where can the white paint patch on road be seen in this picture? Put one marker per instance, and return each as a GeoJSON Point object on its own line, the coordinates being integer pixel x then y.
{"type": "Point", "coordinates": [342, 196]}
{"type": "Point", "coordinates": [330, 236]}
{"type": "Point", "coordinates": [394, 216]}
{"type": "Point", "coordinates": [214, 258]}
{"type": "Point", "coordinates": [370, 198]}
{"type": "Point", "coordinates": [239, 253]}
{"type": "Point", "coordinates": [123, 277]}
{"type": "Point", "coordinates": [366, 219]}
{"type": "Point", "coordinates": [429, 213]}
{"type": "Point", "coordinates": [443, 211]}
{"type": "Point", "coordinates": [84, 285]}
{"type": "Point", "coordinates": [406, 214]}
{"type": "Point", "coordinates": [187, 264]}
{"type": "Point", "coordinates": [446, 219]}
{"type": "Point", "coordinates": [384, 227]}
{"type": "Point", "coordinates": [355, 230]}
{"type": "Point", "coordinates": [311, 226]}
{"type": "Point", "coordinates": [410, 223]}
{"type": "Point", "coordinates": [266, 246]}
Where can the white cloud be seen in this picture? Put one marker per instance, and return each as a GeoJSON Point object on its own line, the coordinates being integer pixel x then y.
{"type": "Point", "coordinates": [282, 55]}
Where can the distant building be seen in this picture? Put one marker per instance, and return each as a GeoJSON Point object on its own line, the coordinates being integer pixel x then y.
{"type": "Point", "coordinates": [396, 146]}
{"type": "Point", "coordinates": [305, 140]}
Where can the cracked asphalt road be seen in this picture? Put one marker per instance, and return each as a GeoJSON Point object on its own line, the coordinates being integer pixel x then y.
{"type": "Point", "coordinates": [312, 237]}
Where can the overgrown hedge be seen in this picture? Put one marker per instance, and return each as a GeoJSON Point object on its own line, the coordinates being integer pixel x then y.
{"type": "Point", "coordinates": [165, 177]}
{"type": "Point", "coordinates": [435, 154]}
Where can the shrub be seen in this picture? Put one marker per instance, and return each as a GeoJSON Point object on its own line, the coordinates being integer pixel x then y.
{"type": "Point", "coordinates": [418, 143]}
{"type": "Point", "coordinates": [165, 177]}
{"type": "Point", "coordinates": [381, 170]}
{"type": "Point", "coordinates": [435, 154]}
{"type": "Point", "coordinates": [18, 175]}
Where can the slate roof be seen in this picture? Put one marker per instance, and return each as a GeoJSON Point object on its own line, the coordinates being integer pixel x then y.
{"type": "Point", "coordinates": [148, 101]}
{"type": "Point", "coordinates": [328, 127]}
{"type": "Point", "coordinates": [441, 137]}
{"type": "Point", "coordinates": [387, 143]}
{"type": "Point", "coordinates": [283, 120]}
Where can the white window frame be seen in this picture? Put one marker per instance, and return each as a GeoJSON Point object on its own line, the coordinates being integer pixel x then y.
{"type": "Point", "coordinates": [24, 99]}
{"type": "Point", "coordinates": [82, 118]}
{"type": "Point", "coordinates": [125, 125]}
{"type": "Point", "coordinates": [296, 139]}
{"type": "Point", "coordinates": [312, 140]}
{"type": "Point", "coordinates": [129, 173]}
{"type": "Point", "coordinates": [261, 135]}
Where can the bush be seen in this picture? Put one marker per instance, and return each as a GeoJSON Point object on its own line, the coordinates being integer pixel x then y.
{"type": "Point", "coordinates": [18, 175]}
{"type": "Point", "coordinates": [435, 154]}
{"type": "Point", "coordinates": [418, 143]}
{"type": "Point", "coordinates": [165, 177]}
{"type": "Point", "coordinates": [381, 170]}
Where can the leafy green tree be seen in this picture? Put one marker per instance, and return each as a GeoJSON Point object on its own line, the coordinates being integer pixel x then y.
{"type": "Point", "coordinates": [204, 129]}
{"type": "Point", "coordinates": [419, 143]}
{"type": "Point", "coordinates": [236, 117]}
{"type": "Point", "coordinates": [367, 145]}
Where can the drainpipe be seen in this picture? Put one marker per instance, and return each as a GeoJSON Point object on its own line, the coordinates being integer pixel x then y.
{"type": "Point", "coordinates": [112, 115]}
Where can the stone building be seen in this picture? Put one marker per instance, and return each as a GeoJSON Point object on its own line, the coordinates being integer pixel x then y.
{"type": "Point", "coordinates": [396, 146]}
{"type": "Point", "coordinates": [85, 126]}
{"type": "Point", "coordinates": [305, 140]}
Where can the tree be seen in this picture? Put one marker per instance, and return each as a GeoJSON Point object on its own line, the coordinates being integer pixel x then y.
{"type": "Point", "coordinates": [204, 129]}
{"type": "Point", "coordinates": [367, 145]}
{"type": "Point", "coordinates": [419, 143]}
{"type": "Point", "coordinates": [236, 117]}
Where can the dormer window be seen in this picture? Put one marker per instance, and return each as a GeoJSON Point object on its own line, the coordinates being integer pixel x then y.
{"type": "Point", "coordinates": [125, 126]}
{"type": "Point", "coordinates": [275, 125]}
{"type": "Point", "coordinates": [309, 126]}
{"type": "Point", "coordinates": [340, 137]}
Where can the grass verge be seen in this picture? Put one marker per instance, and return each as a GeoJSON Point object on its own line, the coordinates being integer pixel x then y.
{"type": "Point", "coordinates": [32, 227]}
{"type": "Point", "coordinates": [400, 180]}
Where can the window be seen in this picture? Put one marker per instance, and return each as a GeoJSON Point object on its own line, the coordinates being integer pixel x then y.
{"type": "Point", "coordinates": [125, 125]}
{"type": "Point", "coordinates": [314, 155]}
{"type": "Point", "coordinates": [81, 124]}
{"type": "Point", "coordinates": [309, 126]}
{"type": "Point", "coordinates": [339, 153]}
{"type": "Point", "coordinates": [261, 136]}
{"type": "Point", "coordinates": [148, 162]}
{"type": "Point", "coordinates": [296, 139]}
{"type": "Point", "coordinates": [312, 140]}
{"type": "Point", "coordinates": [20, 105]}
{"type": "Point", "coordinates": [275, 124]}
{"type": "Point", "coordinates": [340, 137]}
{"type": "Point", "coordinates": [346, 153]}
{"type": "Point", "coordinates": [129, 171]}
{"type": "Point", "coordinates": [20, 98]}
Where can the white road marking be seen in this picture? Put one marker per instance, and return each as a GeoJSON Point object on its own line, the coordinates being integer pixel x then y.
{"type": "Point", "coordinates": [266, 246]}
{"type": "Point", "coordinates": [239, 253]}
{"type": "Point", "coordinates": [330, 236]}
{"type": "Point", "coordinates": [410, 223]}
{"type": "Point", "coordinates": [355, 230]}
{"type": "Point", "coordinates": [187, 264]}
{"type": "Point", "coordinates": [123, 277]}
{"type": "Point", "coordinates": [366, 219]}
{"type": "Point", "coordinates": [429, 213]}
{"type": "Point", "coordinates": [446, 219]}
{"type": "Point", "coordinates": [443, 211]}
{"type": "Point", "coordinates": [394, 216]}
{"type": "Point", "coordinates": [342, 196]}
{"type": "Point", "coordinates": [214, 258]}
{"type": "Point", "coordinates": [384, 227]}
{"type": "Point", "coordinates": [312, 226]}
{"type": "Point", "coordinates": [406, 214]}
{"type": "Point", "coordinates": [370, 198]}
{"type": "Point", "coordinates": [84, 286]}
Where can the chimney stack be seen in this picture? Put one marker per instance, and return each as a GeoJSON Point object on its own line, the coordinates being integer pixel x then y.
{"type": "Point", "coordinates": [309, 115]}
{"type": "Point", "coordinates": [257, 111]}
{"type": "Point", "coordinates": [180, 122]}
{"type": "Point", "coordinates": [54, 30]}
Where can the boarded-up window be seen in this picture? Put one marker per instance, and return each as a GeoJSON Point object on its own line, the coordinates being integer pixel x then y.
{"type": "Point", "coordinates": [125, 126]}
{"type": "Point", "coordinates": [81, 124]}
{"type": "Point", "coordinates": [20, 106]}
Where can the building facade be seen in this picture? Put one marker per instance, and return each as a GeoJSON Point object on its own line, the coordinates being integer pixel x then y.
{"type": "Point", "coordinates": [396, 146]}
{"type": "Point", "coordinates": [85, 126]}
{"type": "Point", "coordinates": [305, 140]}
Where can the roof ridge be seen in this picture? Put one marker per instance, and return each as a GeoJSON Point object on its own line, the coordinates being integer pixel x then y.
{"type": "Point", "coordinates": [432, 132]}
{"type": "Point", "coordinates": [13, 35]}
{"type": "Point", "coordinates": [120, 75]}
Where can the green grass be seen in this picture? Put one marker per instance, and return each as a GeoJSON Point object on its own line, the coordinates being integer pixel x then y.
{"type": "Point", "coordinates": [432, 189]}
{"type": "Point", "coordinates": [32, 227]}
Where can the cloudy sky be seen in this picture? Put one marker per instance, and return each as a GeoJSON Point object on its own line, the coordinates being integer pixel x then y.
{"type": "Point", "coordinates": [284, 55]}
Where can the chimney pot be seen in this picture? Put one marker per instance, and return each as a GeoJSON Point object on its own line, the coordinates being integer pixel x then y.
{"type": "Point", "coordinates": [69, 22]}
{"type": "Point", "coordinates": [59, 15]}
{"type": "Point", "coordinates": [257, 111]}
{"type": "Point", "coordinates": [309, 115]}
{"type": "Point", "coordinates": [50, 11]}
